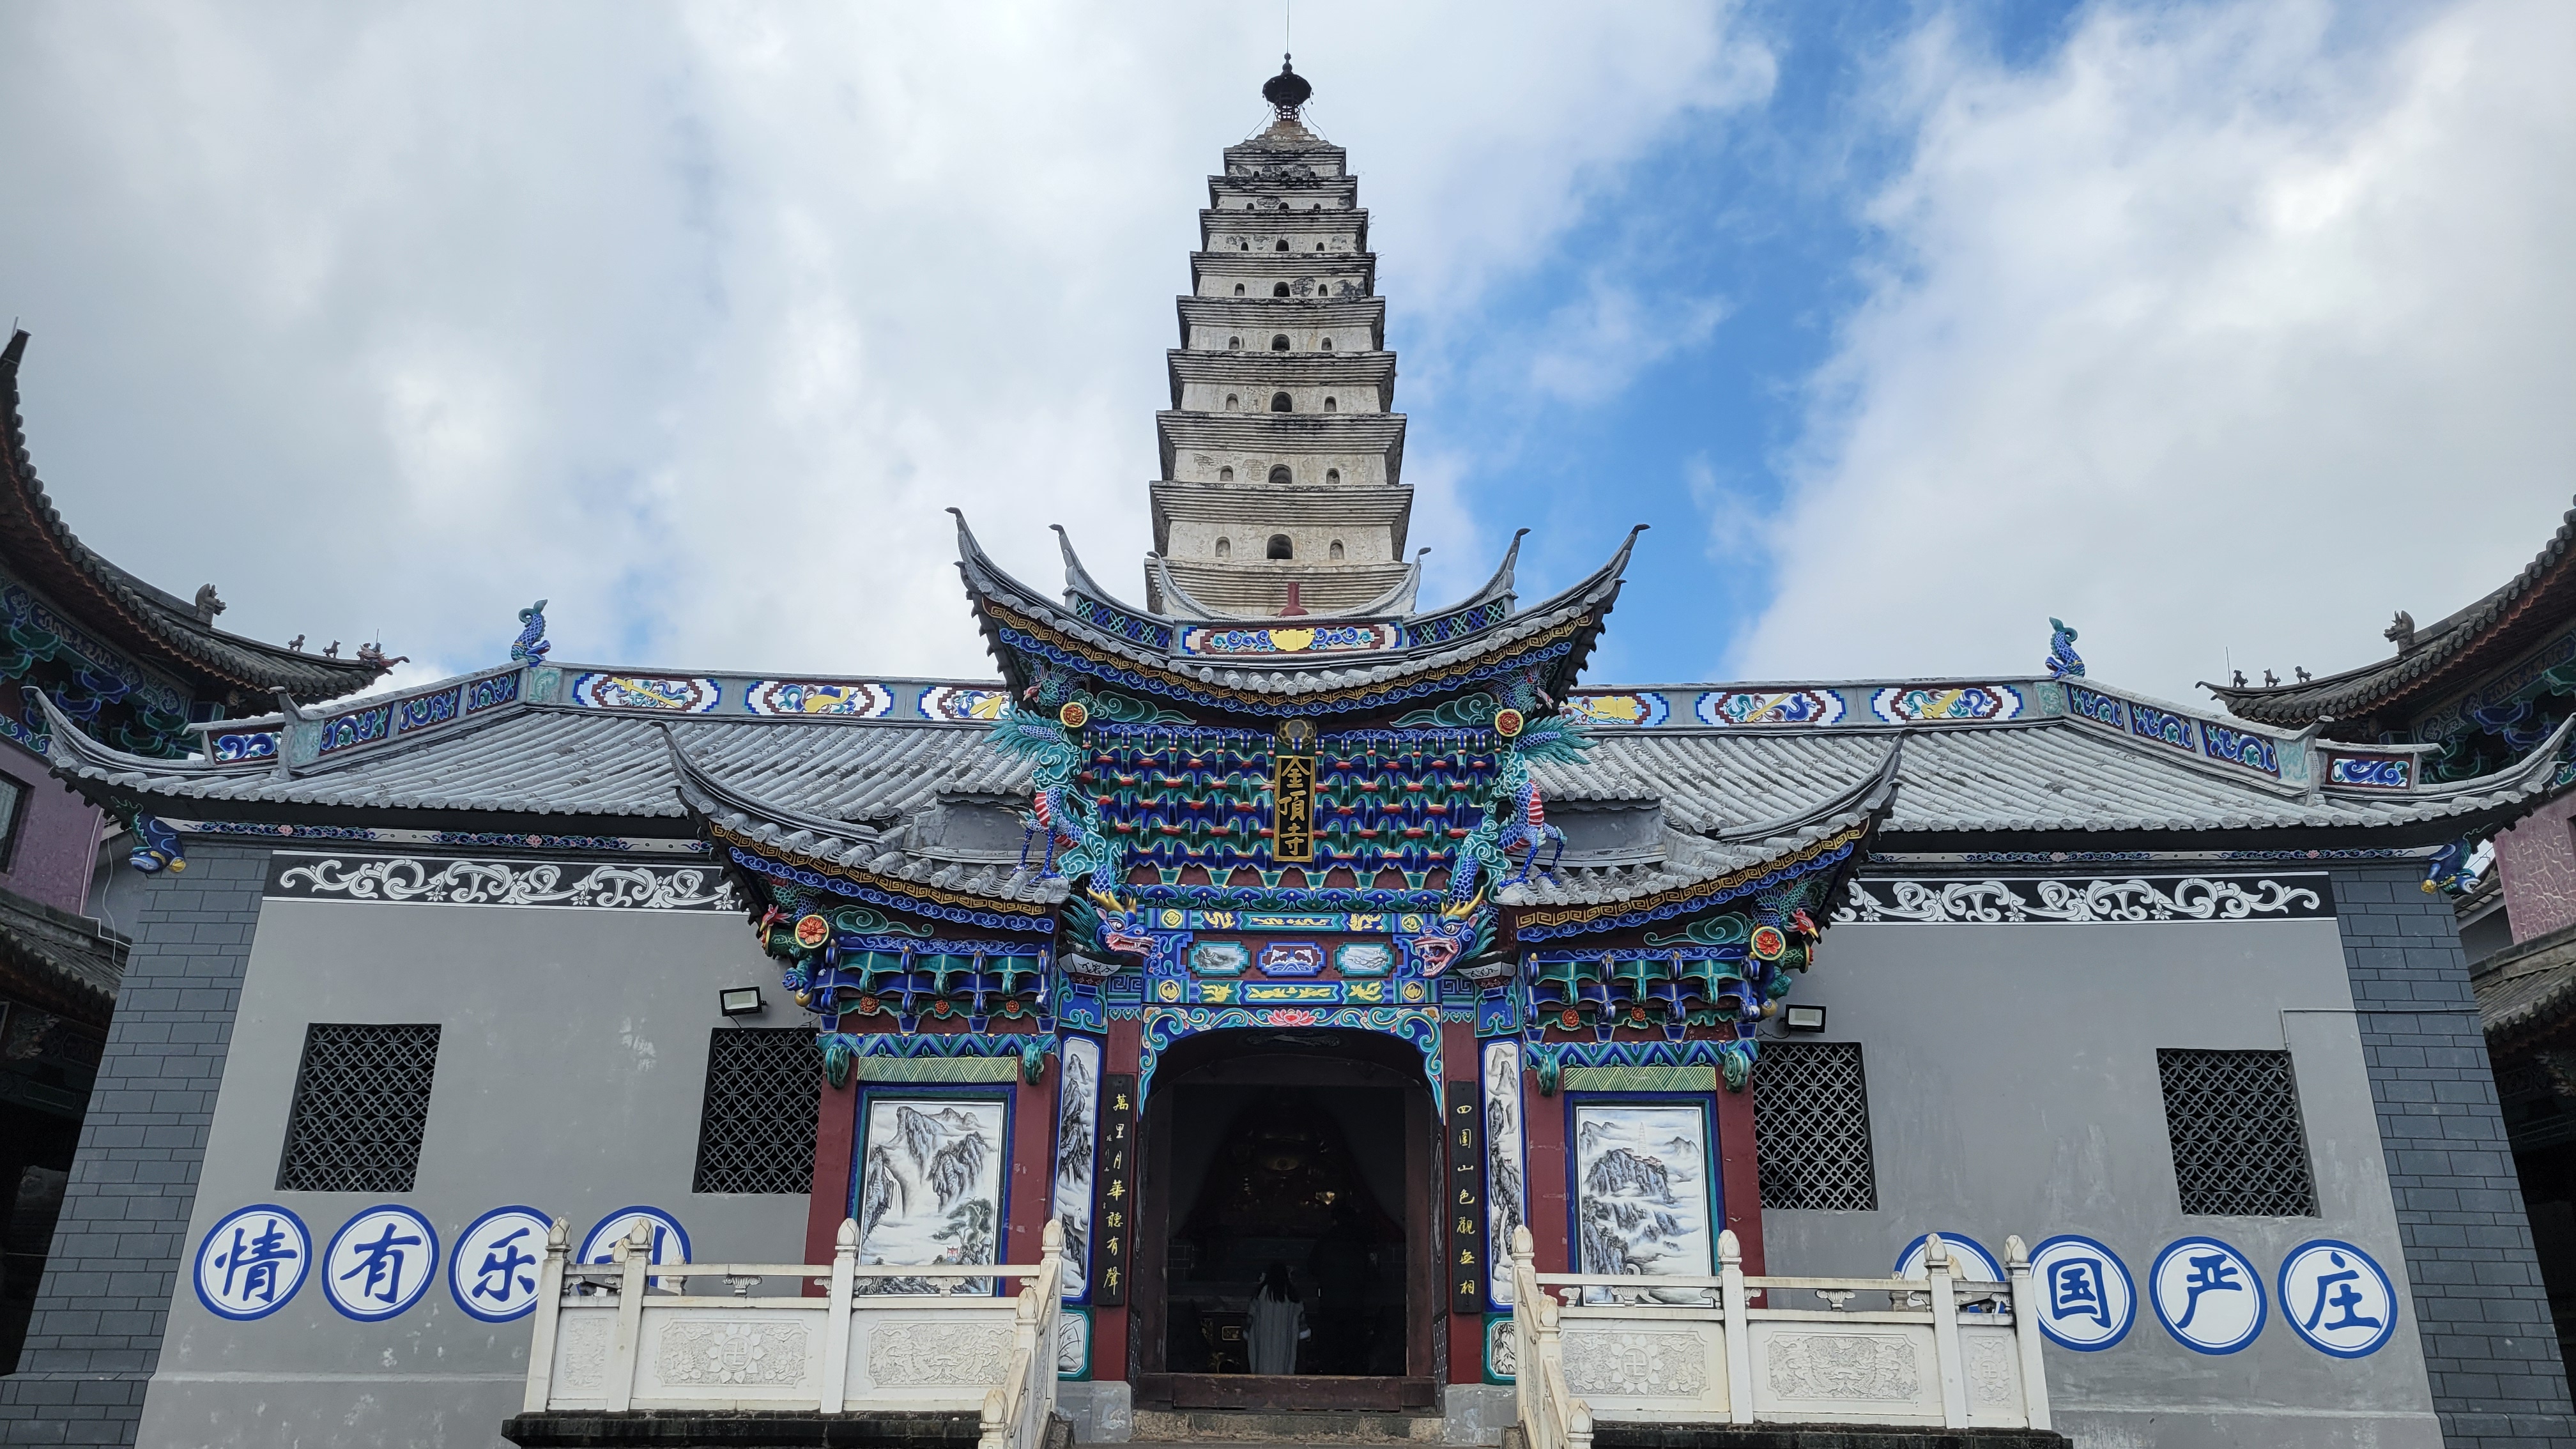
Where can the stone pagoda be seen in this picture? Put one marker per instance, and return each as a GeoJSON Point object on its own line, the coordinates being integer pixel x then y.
{"type": "Point", "coordinates": [1282, 489]}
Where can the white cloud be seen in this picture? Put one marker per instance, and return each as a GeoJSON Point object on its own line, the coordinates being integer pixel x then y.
{"type": "Point", "coordinates": [2231, 328]}
{"type": "Point", "coordinates": [694, 319]}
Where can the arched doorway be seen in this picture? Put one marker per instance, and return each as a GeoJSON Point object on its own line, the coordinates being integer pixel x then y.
{"type": "Point", "coordinates": [1312, 1148]}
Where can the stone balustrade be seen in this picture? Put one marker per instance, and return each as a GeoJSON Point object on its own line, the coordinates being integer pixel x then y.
{"type": "Point", "coordinates": [1898, 1352]}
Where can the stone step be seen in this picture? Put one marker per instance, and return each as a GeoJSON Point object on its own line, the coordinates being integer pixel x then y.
{"type": "Point", "coordinates": [1283, 1426]}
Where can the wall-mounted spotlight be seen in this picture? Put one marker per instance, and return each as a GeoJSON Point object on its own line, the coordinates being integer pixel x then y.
{"type": "Point", "coordinates": [1803, 1018]}
{"type": "Point", "coordinates": [745, 1001]}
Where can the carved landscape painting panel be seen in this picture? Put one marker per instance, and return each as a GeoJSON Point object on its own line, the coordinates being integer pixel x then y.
{"type": "Point", "coordinates": [930, 1188]}
{"type": "Point", "coordinates": [1077, 1132]}
{"type": "Point", "coordinates": [1506, 1192]}
{"type": "Point", "coordinates": [1641, 1187]}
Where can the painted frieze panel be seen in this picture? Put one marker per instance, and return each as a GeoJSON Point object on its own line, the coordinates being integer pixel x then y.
{"type": "Point", "coordinates": [421, 711]}
{"type": "Point", "coordinates": [2088, 902]}
{"type": "Point", "coordinates": [667, 694]}
{"type": "Point", "coordinates": [1642, 1203]}
{"type": "Point", "coordinates": [1947, 703]}
{"type": "Point", "coordinates": [2371, 772]}
{"type": "Point", "coordinates": [398, 880]}
{"type": "Point", "coordinates": [930, 1186]}
{"type": "Point", "coordinates": [1728, 707]}
{"type": "Point", "coordinates": [1635, 709]}
{"type": "Point", "coordinates": [963, 704]}
{"type": "Point", "coordinates": [2163, 726]}
{"type": "Point", "coordinates": [846, 699]}
{"type": "Point", "coordinates": [1323, 639]}
{"type": "Point", "coordinates": [241, 746]}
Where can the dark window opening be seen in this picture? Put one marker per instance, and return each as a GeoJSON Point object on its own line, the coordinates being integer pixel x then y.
{"type": "Point", "coordinates": [1279, 474]}
{"type": "Point", "coordinates": [1283, 245]}
{"type": "Point", "coordinates": [1335, 553]}
{"type": "Point", "coordinates": [1225, 547]}
{"type": "Point", "coordinates": [1280, 402]}
{"type": "Point", "coordinates": [1811, 1144]}
{"type": "Point", "coordinates": [1329, 405]}
{"type": "Point", "coordinates": [756, 1127]}
{"type": "Point", "coordinates": [1279, 289]}
{"type": "Point", "coordinates": [361, 1108]}
{"type": "Point", "coordinates": [2239, 1149]}
{"type": "Point", "coordinates": [1279, 343]}
{"type": "Point", "coordinates": [1280, 547]}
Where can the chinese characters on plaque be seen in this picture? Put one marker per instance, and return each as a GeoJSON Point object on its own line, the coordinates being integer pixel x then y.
{"type": "Point", "coordinates": [1114, 1205]}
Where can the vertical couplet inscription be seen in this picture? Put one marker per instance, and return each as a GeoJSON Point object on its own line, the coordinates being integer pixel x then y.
{"type": "Point", "coordinates": [1465, 1131]}
{"type": "Point", "coordinates": [1292, 793]}
{"type": "Point", "coordinates": [1115, 1200]}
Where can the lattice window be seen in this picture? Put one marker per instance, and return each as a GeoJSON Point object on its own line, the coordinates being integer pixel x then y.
{"type": "Point", "coordinates": [361, 1103]}
{"type": "Point", "coordinates": [2238, 1147]}
{"type": "Point", "coordinates": [1811, 1127]}
{"type": "Point", "coordinates": [756, 1133]}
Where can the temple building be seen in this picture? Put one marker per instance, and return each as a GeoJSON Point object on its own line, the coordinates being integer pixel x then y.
{"type": "Point", "coordinates": [2484, 688]}
{"type": "Point", "coordinates": [140, 669]}
{"type": "Point", "coordinates": [2020, 1058]}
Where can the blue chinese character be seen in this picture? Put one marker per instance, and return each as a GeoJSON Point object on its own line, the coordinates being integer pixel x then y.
{"type": "Point", "coordinates": [2075, 1291]}
{"type": "Point", "coordinates": [500, 1267]}
{"type": "Point", "coordinates": [2210, 1273]}
{"type": "Point", "coordinates": [2344, 1299]}
{"type": "Point", "coordinates": [382, 1261]}
{"type": "Point", "coordinates": [256, 1262]}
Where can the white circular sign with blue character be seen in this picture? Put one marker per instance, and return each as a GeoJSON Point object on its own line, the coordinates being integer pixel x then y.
{"type": "Point", "coordinates": [380, 1262]}
{"type": "Point", "coordinates": [2207, 1295]}
{"type": "Point", "coordinates": [670, 1240]}
{"type": "Point", "coordinates": [2086, 1300]}
{"type": "Point", "coordinates": [252, 1261]}
{"type": "Point", "coordinates": [493, 1272]}
{"type": "Point", "coordinates": [2337, 1298]}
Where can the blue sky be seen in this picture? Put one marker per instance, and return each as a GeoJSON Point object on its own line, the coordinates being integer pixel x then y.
{"type": "Point", "coordinates": [2220, 330]}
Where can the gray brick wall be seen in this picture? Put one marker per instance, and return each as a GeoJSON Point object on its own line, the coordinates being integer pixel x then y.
{"type": "Point", "coordinates": [121, 1244]}
{"type": "Point", "coordinates": [2479, 1305]}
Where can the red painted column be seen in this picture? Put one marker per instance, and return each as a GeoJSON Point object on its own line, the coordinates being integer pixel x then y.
{"type": "Point", "coordinates": [1032, 1162]}
{"type": "Point", "coordinates": [1109, 1325]}
{"type": "Point", "coordinates": [1543, 1120]}
{"type": "Point", "coordinates": [836, 1128]}
{"type": "Point", "coordinates": [1737, 1178]}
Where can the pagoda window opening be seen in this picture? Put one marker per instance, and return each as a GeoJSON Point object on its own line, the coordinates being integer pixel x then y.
{"type": "Point", "coordinates": [1238, 289]}
{"type": "Point", "coordinates": [1329, 405]}
{"type": "Point", "coordinates": [1281, 402]}
{"type": "Point", "coordinates": [1225, 475]}
{"type": "Point", "coordinates": [1319, 246]}
{"type": "Point", "coordinates": [1225, 546]}
{"type": "Point", "coordinates": [1335, 552]}
{"type": "Point", "coordinates": [1324, 346]}
{"type": "Point", "coordinates": [1279, 289]}
{"type": "Point", "coordinates": [1280, 547]}
{"type": "Point", "coordinates": [1234, 344]}
{"type": "Point", "coordinates": [1279, 342]}
{"type": "Point", "coordinates": [1283, 245]}
{"type": "Point", "coordinates": [1233, 401]}
{"type": "Point", "coordinates": [1332, 475]}
{"type": "Point", "coordinates": [1280, 476]}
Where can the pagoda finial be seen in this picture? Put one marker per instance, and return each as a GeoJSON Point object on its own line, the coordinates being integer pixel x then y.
{"type": "Point", "coordinates": [1286, 91]}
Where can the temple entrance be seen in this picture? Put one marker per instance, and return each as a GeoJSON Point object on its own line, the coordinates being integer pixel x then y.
{"type": "Point", "coordinates": [1302, 1159]}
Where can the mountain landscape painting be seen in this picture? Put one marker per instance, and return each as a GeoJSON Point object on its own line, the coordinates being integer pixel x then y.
{"type": "Point", "coordinates": [1077, 1144]}
{"type": "Point", "coordinates": [1506, 1193]}
{"type": "Point", "coordinates": [930, 1187]}
{"type": "Point", "coordinates": [1642, 1191]}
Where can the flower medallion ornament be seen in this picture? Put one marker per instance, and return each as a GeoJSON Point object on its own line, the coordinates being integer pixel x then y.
{"type": "Point", "coordinates": [1509, 723]}
{"type": "Point", "coordinates": [812, 932]}
{"type": "Point", "coordinates": [1074, 715]}
{"type": "Point", "coordinates": [1768, 943]}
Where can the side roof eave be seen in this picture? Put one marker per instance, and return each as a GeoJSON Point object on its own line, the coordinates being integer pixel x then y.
{"type": "Point", "coordinates": [2505, 622]}
{"type": "Point", "coordinates": [124, 608]}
